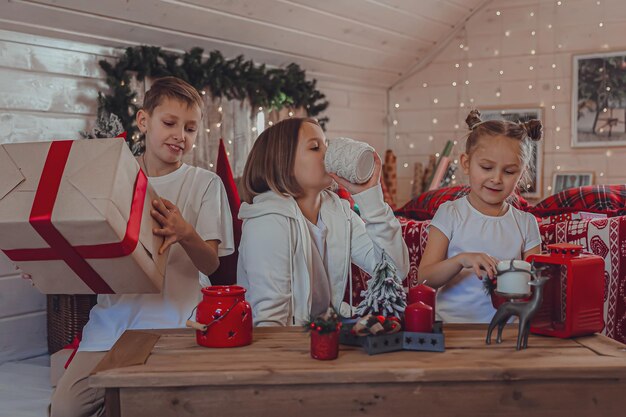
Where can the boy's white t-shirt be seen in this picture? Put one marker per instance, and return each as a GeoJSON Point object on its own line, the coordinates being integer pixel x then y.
{"type": "Point", "coordinates": [201, 198]}
{"type": "Point", "coordinates": [463, 299]}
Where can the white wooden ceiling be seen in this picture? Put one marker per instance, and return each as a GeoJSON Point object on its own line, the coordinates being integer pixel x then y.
{"type": "Point", "coordinates": [372, 42]}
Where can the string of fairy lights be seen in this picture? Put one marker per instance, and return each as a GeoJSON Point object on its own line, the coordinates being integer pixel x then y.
{"type": "Point", "coordinates": [546, 82]}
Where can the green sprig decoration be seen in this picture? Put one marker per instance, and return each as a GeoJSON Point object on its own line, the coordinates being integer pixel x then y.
{"type": "Point", "coordinates": [235, 78]}
{"type": "Point", "coordinates": [325, 323]}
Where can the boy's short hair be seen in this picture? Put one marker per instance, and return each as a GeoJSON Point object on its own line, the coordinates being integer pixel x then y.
{"type": "Point", "coordinates": [270, 164]}
{"type": "Point", "coordinates": [174, 88]}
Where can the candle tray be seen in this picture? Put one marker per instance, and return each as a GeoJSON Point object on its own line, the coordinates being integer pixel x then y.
{"type": "Point", "coordinates": [373, 345]}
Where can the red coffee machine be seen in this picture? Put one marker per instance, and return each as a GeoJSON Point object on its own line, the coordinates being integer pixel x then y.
{"type": "Point", "coordinates": [573, 300]}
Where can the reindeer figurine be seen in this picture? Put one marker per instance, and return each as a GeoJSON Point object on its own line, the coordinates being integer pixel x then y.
{"type": "Point", "coordinates": [525, 311]}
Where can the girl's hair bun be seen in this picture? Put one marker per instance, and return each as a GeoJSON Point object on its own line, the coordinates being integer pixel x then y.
{"type": "Point", "coordinates": [533, 128]}
{"type": "Point", "coordinates": [473, 118]}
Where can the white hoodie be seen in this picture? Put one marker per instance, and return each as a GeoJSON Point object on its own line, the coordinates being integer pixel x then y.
{"type": "Point", "coordinates": [275, 251]}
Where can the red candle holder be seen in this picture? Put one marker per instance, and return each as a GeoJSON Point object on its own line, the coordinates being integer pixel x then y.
{"type": "Point", "coordinates": [423, 293]}
{"type": "Point", "coordinates": [324, 346]}
{"type": "Point", "coordinates": [419, 317]}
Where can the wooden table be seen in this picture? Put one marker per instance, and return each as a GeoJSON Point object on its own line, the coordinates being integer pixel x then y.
{"type": "Point", "coordinates": [275, 376]}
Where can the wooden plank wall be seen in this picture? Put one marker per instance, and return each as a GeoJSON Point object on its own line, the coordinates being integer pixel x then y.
{"type": "Point", "coordinates": [357, 112]}
{"type": "Point", "coordinates": [49, 89]}
{"type": "Point", "coordinates": [491, 43]}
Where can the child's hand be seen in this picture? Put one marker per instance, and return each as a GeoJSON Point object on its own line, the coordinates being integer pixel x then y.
{"type": "Point", "coordinates": [357, 188]}
{"type": "Point", "coordinates": [480, 263]}
{"type": "Point", "coordinates": [173, 227]}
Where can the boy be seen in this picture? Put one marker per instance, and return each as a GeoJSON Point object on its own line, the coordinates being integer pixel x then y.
{"type": "Point", "coordinates": [192, 211]}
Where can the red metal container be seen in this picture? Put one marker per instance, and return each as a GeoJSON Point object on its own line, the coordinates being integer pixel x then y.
{"type": "Point", "coordinates": [225, 317]}
{"type": "Point", "coordinates": [324, 346]}
{"type": "Point", "coordinates": [573, 300]}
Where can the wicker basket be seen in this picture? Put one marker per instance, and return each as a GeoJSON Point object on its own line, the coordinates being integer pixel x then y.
{"type": "Point", "coordinates": [67, 315]}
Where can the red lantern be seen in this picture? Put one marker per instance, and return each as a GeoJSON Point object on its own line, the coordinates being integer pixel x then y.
{"type": "Point", "coordinates": [573, 300]}
{"type": "Point", "coordinates": [224, 317]}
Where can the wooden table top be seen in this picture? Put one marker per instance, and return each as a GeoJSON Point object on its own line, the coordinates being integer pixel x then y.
{"type": "Point", "coordinates": [280, 356]}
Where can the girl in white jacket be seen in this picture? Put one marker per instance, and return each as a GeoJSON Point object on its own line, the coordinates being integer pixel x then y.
{"type": "Point", "coordinates": [298, 238]}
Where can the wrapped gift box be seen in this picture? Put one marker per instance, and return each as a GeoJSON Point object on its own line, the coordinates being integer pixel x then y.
{"type": "Point", "coordinates": [566, 217]}
{"type": "Point", "coordinates": [75, 215]}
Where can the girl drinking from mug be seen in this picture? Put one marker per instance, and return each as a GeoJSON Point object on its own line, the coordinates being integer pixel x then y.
{"type": "Point", "coordinates": [298, 238]}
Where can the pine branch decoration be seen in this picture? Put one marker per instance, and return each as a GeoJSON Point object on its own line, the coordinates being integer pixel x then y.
{"type": "Point", "coordinates": [108, 125]}
{"type": "Point", "coordinates": [235, 78]}
{"type": "Point", "coordinates": [384, 294]}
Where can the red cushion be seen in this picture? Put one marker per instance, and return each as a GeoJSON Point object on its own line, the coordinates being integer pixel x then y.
{"type": "Point", "coordinates": [606, 199]}
{"type": "Point", "coordinates": [426, 204]}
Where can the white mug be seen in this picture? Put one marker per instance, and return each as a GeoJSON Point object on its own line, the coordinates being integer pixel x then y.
{"type": "Point", "coordinates": [350, 159]}
{"type": "Point", "coordinates": [513, 282]}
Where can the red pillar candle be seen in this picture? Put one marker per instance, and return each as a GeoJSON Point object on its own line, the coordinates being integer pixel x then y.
{"type": "Point", "coordinates": [418, 317]}
{"type": "Point", "coordinates": [422, 293]}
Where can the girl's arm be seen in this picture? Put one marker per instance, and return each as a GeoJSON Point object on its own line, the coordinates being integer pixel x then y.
{"type": "Point", "coordinates": [381, 230]}
{"type": "Point", "coordinates": [378, 230]}
{"type": "Point", "coordinates": [533, 237]}
{"type": "Point", "coordinates": [434, 267]}
{"type": "Point", "coordinates": [438, 270]}
{"type": "Point", "coordinates": [532, 251]}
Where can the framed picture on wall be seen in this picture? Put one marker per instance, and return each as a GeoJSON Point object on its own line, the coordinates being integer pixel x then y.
{"type": "Point", "coordinates": [599, 100]}
{"type": "Point", "coordinates": [532, 189]}
{"type": "Point", "coordinates": [564, 180]}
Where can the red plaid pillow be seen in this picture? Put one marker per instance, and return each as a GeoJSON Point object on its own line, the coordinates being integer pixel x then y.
{"type": "Point", "coordinates": [606, 199]}
{"type": "Point", "coordinates": [426, 204]}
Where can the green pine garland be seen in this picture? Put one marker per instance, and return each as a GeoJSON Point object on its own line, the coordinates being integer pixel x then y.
{"type": "Point", "coordinates": [230, 78]}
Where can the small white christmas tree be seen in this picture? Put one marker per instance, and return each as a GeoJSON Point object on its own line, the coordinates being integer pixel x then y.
{"type": "Point", "coordinates": [384, 294]}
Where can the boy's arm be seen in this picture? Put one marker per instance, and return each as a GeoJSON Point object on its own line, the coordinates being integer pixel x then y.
{"type": "Point", "coordinates": [174, 229]}
{"type": "Point", "coordinates": [203, 253]}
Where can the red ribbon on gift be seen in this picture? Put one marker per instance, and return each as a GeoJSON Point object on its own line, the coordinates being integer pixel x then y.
{"type": "Point", "coordinates": [60, 249]}
{"type": "Point", "coordinates": [74, 346]}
